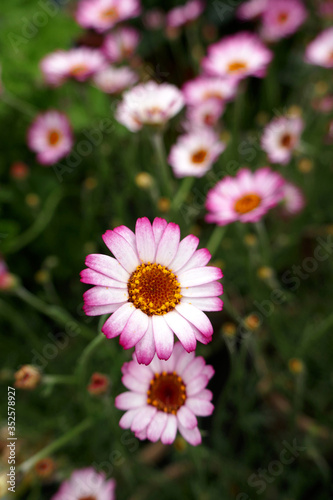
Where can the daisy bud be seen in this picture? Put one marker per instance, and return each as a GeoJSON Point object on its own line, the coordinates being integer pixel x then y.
{"type": "Point", "coordinates": [252, 322]}
{"type": "Point", "coordinates": [296, 366]}
{"type": "Point", "coordinates": [27, 377]}
{"type": "Point", "coordinates": [19, 171]}
{"type": "Point", "coordinates": [98, 384]}
{"type": "Point", "coordinates": [44, 468]}
{"type": "Point", "coordinates": [229, 329]}
{"type": "Point", "coordinates": [86, 484]}
{"type": "Point", "coordinates": [163, 205]}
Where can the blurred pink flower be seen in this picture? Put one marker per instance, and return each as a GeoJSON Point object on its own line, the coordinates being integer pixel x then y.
{"type": "Point", "coordinates": [251, 9]}
{"type": "Point", "coordinates": [237, 56]}
{"type": "Point", "coordinates": [320, 50]}
{"type": "Point", "coordinates": [281, 18]}
{"type": "Point", "coordinates": [102, 15]}
{"type": "Point", "coordinates": [50, 136]}
{"type": "Point", "coordinates": [79, 63]}
{"type": "Point", "coordinates": [114, 80]}
{"type": "Point", "coordinates": [206, 114]}
{"type": "Point", "coordinates": [204, 87]}
{"type": "Point", "coordinates": [185, 13]}
{"type": "Point", "coordinates": [121, 44]}
{"type": "Point", "coordinates": [194, 153]}
{"type": "Point", "coordinates": [293, 200]}
{"type": "Point", "coordinates": [281, 137]}
{"type": "Point", "coordinates": [156, 286]}
{"type": "Point", "coordinates": [149, 103]}
{"type": "Point", "coordinates": [86, 484]}
{"type": "Point", "coordinates": [154, 19]}
{"type": "Point", "coordinates": [326, 8]}
{"type": "Point", "coordinates": [7, 280]}
{"type": "Point", "coordinates": [166, 396]}
{"type": "Point", "coordinates": [245, 198]}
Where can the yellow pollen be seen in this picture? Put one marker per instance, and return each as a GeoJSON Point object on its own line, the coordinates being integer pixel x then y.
{"type": "Point", "coordinates": [54, 137]}
{"type": "Point", "coordinates": [154, 289]}
{"type": "Point", "coordinates": [109, 14]}
{"type": "Point", "coordinates": [78, 70]}
{"type": "Point", "coordinates": [237, 66]}
{"type": "Point", "coordinates": [167, 392]}
{"type": "Point", "coordinates": [247, 203]}
{"type": "Point", "coordinates": [199, 156]}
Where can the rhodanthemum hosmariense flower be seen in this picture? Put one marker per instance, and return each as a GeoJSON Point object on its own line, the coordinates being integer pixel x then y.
{"type": "Point", "coordinates": [155, 287]}
{"type": "Point", "coordinates": [166, 396]}
{"type": "Point", "coordinates": [86, 484]}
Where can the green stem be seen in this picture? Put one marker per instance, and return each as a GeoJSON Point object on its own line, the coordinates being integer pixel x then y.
{"type": "Point", "coordinates": [165, 175]}
{"type": "Point", "coordinates": [58, 443]}
{"type": "Point", "coordinates": [264, 241]}
{"type": "Point", "coordinates": [57, 314]}
{"type": "Point", "coordinates": [83, 360]}
{"type": "Point", "coordinates": [38, 226]}
{"type": "Point", "coordinates": [58, 379]}
{"type": "Point", "coordinates": [182, 193]}
{"type": "Point", "coordinates": [215, 239]}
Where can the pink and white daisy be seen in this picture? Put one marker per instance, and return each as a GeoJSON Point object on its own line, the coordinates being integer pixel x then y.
{"type": "Point", "coordinates": [320, 50]}
{"type": "Point", "coordinates": [206, 114]}
{"type": "Point", "coordinates": [166, 396]}
{"type": "Point", "coordinates": [282, 18]}
{"type": "Point", "coordinates": [194, 153]}
{"type": "Point", "coordinates": [114, 80]}
{"type": "Point", "coordinates": [121, 44]}
{"type": "Point", "coordinates": [102, 15]}
{"type": "Point", "coordinates": [184, 14]}
{"type": "Point", "coordinates": [251, 9]}
{"type": "Point", "coordinates": [281, 137]}
{"type": "Point", "coordinates": [237, 56]}
{"type": "Point", "coordinates": [149, 103]}
{"type": "Point", "coordinates": [293, 200]}
{"type": "Point", "coordinates": [79, 63]}
{"type": "Point", "coordinates": [245, 198]}
{"type": "Point", "coordinates": [86, 484]}
{"type": "Point", "coordinates": [204, 88]}
{"type": "Point", "coordinates": [156, 286]}
{"type": "Point", "coordinates": [50, 136]}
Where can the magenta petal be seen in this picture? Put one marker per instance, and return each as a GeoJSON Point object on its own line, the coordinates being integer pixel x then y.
{"type": "Point", "coordinates": [159, 226]}
{"type": "Point", "coordinates": [197, 317]}
{"type": "Point", "coordinates": [186, 249]}
{"type": "Point", "coordinates": [168, 245]}
{"type": "Point", "coordinates": [145, 241]}
{"type": "Point", "coordinates": [200, 407]}
{"type": "Point", "coordinates": [186, 418]}
{"type": "Point", "coordinates": [170, 430]}
{"type": "Point", "coordinates": [163, 336]}
{"type": "Point", "coordinates": [116, 323]}
{"type": "Point", "coordinates": [156, 426]}
{"type": "Point", "coordinates": [145, 348]}
{"type": "Point", "coordinates": [143, 418]}
{"type": "Point", "coordinates": [199, 276]}
{"type": "Point", "coordinates": [122, 250]}
{"type": "Point", "coordinates": [182, 328]}
{"type": "Point", "coordinates": [192, 436]}
{"type": "Point", "coordinates": [134, 329]}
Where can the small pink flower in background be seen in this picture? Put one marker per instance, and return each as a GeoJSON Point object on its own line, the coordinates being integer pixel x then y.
{"type": "Point", "coordinates": [205, 88]}
{"type": "Point", "coordinates": [121, 44]}
{"type": "Point", "coordinates": [79, 63]}
{"type": "Point", "coordinates": [114, 80]}
{"type": "Point", "coordinates": [245, 198]}
{"type": "Point", "coordinates": [320, 50]}
{"type": "Point", "coordinates": [166, 396]}
{"type": "Point", "coordinates": [156, 286]}
{"type": "Point", "coordinates": [281, 137]}
{"type": "Point", "coordinates": [237, 56]}
{"type": "Point", "coordinates": [7, 280]}
{"type": "Point", "coordinates": [194, 153]}
{"type": "Point", "coordinates": [206, 114]}
{"type": "Point", "coordinates": [282, 18]}
{"type": "Point", "coordinates": [179, 16]}
{"type": "Point", "coordinates": [50, 136]}
{"type": "Point", "coordinates": [251, 9]}
{"type": "Point", "coordinates": [154, 19]}
{"type": "Point", "coordinates": [19, 170]}
{"type": "Point", "coordinates": [27, 377]}
{"type": "Point", "coordinates": [326, 8]}
{"type": "Point", "coordinates": [86, 484]}
{"type": "Point", "coordinates": [149, 103]}
{"type": "Point", "coordinates": [102, 15]}
{"type": "Point", "coordinates": [293, 200]}
{"type": "Point", "coordinates": [98, 384]}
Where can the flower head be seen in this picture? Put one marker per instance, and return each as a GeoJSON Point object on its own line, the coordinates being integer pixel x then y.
{"type": "Point", "coordinates": [155, 286]}
{"type": "Point", "coordinates": [184, 14]}
{"type": "Point", "coordinates": [114, 80]}
{"type": "Point", "coordinates": [293, 200]}
{"type": "Point", "coordinates": [204, 115]}
{"type": "Point", "coordinates": [121, 44]}
{"type": "Point", "coordinates": [86, 484]}
{"type": "Point", "coordinates": [320, 50]}
{"type": "Point", "coordinates": [281, 137]}
{"type": "Point", "coordinates": [7, 280]}
{"type": "Point", "coordinates": [166, 396]}
{"type": "Point", "coordinates": [50, 136]}
{"type": "Point", "coordinates": [205, 88]}
{"type": "Point", "coordinates": [281, 18]}
{"type": "Point", "coordinates": [19, 170]}
{"type": "Point", "coordinates": [102, 15]}
{"type": "Point", "coordinates": [27, 377]}
{"type": "Point", "coordinates": [149, 104]}
{"type": "Point", "coordinates": [79, 63]}
{"type": "Point", "coordinates": [194, 153]}
{"type": "Point", "coordinates": [237, 56]}
{"type": "Point", "coordinates": [98, 384]}
{"type": "Point", "coordinates": [45, 468]}
{"type": "Point", "coordinates": [251, 9]}
{"type": "Point", "coordinates": [246, 197]}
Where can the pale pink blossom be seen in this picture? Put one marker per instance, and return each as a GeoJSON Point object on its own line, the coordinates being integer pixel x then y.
{"type": "Point", "coordinates": [281, 137]}
{"type": "Point", "coordinates": [203, 88]}
{"type": "Point", "coordinates": [114, 80]}
{"type": "Point", "coordinates": [206, 114]}
{"type": "Point", "coordinates": [293, 200]}
{"type": "Point", "coordinates": [102, 15]}
{"type": "Point", "coordinates": [121, 44]}
{"type": "Point", "coordinates": [166, 396]}
{"type": "Point", "coordinates": [86, 484]}
{"type": "Point", "coordinates": [320, 50]}
{"type": "Point", "coordinates": [282, 18]}
{"type": "Point", "coordinates": [184, 14]}
{"type": "Point", "coordinates": [251, 9]}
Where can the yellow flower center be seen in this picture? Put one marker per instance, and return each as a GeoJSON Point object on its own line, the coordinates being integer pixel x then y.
{"type": "Point", "coordinates": [282, 17]}
{"type": "Point", "coordinates": [88, 497]}
{"type": "Point", "coordinates": [78, 70]}
{"type": "Point", "coordinates": [166, 392]}
{"type": "Point", "coordinates": [109, 14]}
{"type": "Point", "coordinates": [237, 66]}
{"type": "Point", "coordinates": [54, 137]}
{"type": "Point", "coordinates": [199, 156]}
{"type": "Point", "coordinates": [154, 289]}
{"type": "Point", "coordinates": [247, 203]}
